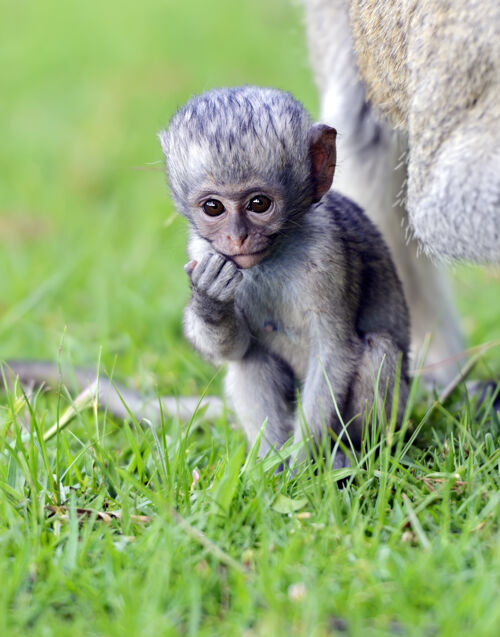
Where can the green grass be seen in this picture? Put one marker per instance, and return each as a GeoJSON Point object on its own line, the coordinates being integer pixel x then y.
{"type": "Point", "coordinates": [91, 260]}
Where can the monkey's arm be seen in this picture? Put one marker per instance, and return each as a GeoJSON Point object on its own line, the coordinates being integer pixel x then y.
{"type": "Point", "coordinates": [212, 322]}
{"type": "Point", "coordinates": [453, 61]}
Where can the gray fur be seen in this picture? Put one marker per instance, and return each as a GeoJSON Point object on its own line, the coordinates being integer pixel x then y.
{"type": "Point", "coordinates": [372, 171]}
{"type": "Point", "coordinates": [324, 303]}
{"type": "Point", "coordinates": [227, 134]}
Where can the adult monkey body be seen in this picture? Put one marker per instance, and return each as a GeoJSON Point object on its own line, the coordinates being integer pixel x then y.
{"type": "Point", "coordinates": [294, 288]}
{"type": "Point", "coordinates": [433, 70]}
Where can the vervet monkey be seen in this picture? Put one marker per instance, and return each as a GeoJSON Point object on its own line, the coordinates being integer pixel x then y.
{"type": "Point", "coordinates": [292, 285]}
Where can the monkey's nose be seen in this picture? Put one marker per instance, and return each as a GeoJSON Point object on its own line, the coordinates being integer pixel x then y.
{"type": "Point", "coordinates": [237, 241]}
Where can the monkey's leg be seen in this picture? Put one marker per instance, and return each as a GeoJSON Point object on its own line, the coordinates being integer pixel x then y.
{"type": "Point", "coordinates": [350, 373]}
{"type": "Point", "coordinates": [261, 386]}
{"type": "Point", "coordinates": [325, 393]}
{"type": "Point", "coordinates": [371, 171]}
{"type": "Point", "coordinates": [380, 360]}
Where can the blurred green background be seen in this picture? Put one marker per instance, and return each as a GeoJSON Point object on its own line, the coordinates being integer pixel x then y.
{"type": "Point", "coordinates": [91, 249]}
{"type": "Point", "coordinates": [91, 265]}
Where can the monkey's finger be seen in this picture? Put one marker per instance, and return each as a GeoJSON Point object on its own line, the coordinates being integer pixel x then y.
{"type": "Point", "coordinates": [219, 288]}
{"type": "Point", "coordinates": [200, 268]}
{"type": "Point", "coordinates": [227, 272]}
{"type": "Point", "coordinates": [190, 266]}
{"type": "Point", "coordinates": [229, 290]}
{"type": "Point", "coordinates": [211, 271]}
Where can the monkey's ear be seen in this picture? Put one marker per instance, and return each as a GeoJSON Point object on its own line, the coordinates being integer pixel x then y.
{"type": "Point", "coordinates": [162, 136]}
{"type": "Point", "coordinates": [323, 157]}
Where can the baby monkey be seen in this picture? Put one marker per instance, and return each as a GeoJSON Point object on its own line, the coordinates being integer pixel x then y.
{"type": "Point", "coordinates": [292, 285]}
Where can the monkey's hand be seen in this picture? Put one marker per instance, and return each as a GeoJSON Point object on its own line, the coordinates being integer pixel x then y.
{"type": "Point", "coordinates": [212, 322]}
{"type": "Point", "coordinates": [214, 281]}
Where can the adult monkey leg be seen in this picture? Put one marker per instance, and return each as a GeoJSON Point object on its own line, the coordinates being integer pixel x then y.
{"type": "Point", "coordinates": [371, 171]}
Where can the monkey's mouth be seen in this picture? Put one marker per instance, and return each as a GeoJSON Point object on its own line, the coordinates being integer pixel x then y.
{"type": "Point", "coordinates": [248, 260]}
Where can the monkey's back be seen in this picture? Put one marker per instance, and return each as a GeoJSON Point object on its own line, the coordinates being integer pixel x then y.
{"type": "Point", "coordinates": [381, 305]}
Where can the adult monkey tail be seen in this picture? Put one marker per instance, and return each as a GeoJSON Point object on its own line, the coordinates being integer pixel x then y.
{"type": "Point", "coordinates": [372, 172]}
{"type": "Point", "coordinates": [120, 401]}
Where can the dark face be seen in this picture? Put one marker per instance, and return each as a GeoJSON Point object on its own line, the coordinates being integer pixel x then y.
{"type": "Point", "coordinates": [240, 221]}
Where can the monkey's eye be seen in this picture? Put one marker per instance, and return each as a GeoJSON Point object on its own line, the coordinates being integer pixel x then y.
{"type": "Point", "coordinates": [213, 208]}
{"type": "Point", "coordinates": [260, 203]}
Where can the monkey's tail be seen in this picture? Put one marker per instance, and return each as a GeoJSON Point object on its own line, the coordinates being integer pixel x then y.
{"type": "Point", "coordinates": [113, 397]}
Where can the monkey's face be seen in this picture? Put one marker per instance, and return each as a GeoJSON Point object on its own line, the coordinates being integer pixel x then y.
{"type": "Point", "coordinates": [241, 221]}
